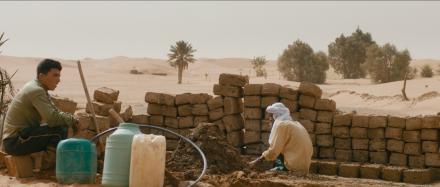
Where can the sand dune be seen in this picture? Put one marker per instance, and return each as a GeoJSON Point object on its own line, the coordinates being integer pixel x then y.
{"type": "Point", "coordinates": [358, 95]}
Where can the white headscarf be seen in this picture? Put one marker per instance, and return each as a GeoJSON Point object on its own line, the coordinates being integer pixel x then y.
{"type": "Point", "coordinates": [280, 113]}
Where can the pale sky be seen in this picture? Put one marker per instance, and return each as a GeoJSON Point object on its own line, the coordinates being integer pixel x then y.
{"type": "Point", "coordinates": [75, 30]}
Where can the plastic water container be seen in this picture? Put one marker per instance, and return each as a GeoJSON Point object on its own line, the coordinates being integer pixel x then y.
{"type": "Point", "coordinates": [117, 156]}
{"type": "Point", "coordinates": [147, 166]}
{"type": "Point", "coordinates": [76, 161]}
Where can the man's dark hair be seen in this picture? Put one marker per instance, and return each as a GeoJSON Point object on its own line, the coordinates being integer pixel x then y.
{"type": "Point", "coordinates": [48, 64]}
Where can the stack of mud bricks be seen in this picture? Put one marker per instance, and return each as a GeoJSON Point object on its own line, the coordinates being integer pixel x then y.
{"type": "Point", "coordinates": [385, 147]}
{"type": "Point", "coordinates": [229, 115]}
{"type": "Point", "coordinates": [257, 123]}
{"type": "Point", "coordinates": [178, 113]}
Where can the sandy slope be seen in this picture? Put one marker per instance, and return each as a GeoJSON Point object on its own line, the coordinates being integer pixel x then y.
{"type": "Point", "coordinates": [356, 94]}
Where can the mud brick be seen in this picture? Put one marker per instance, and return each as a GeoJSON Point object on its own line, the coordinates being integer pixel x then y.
{"type": "Point", "coordinates": [341, 132]}
{"type": "Point", "coordinates": [325, 116]}
{"type": "Point", "coordinates": [295, 115]}
{"type": "Point", "coordinates": [19, 166]}
{"type": "Point", "coordinates": [228, 91]}
{"type": "Point", "coordinates": [360, 156]}
{"type": "Point", "coordinates": [398, 159]}
{"type": "Point", "coordinates": [395, 145]}
{"type": "Point", "coordinates": [327, 152]}
{"type": "Point", "coordinates": [377, 122]}
{"type": "Point", "coordinates": [252, 125]}
{"type": "Point", "coordinates": [252, 89]}
{"type": "Point", "coordinates": [266, 125]}
{"type": "Point", "coordinates": [233, 80]}
{"type": "Point", "coordinates": [315, 152]}
{"type": "Point", "coordinates": [221, 126]}
{"type": "Point", "coordinates": [265, 138]}
{"type": "Point", "coordinates": [200, 98]}
{"type": "Point", "coordinates": [412, 149]}
{"type": "Point", "coordinates": [106, 95]}
{"type": "Point", "coordinates": [251, 137]}
{"type": "Point", "coordinates": [200, 119]}
{"type": "Point", "coordinates": [183, 99]}
{"type": "Point", "coordinates": [171, 122]}
{"type": "Point", "coordinates": [153, 97]}
{"type": "Point", "coordinates": [342, 143]}
{"type": "Point", "coordinates": [360, 121]}
{"type": "Point", "coordinates": [343, 155]}
{"type": "Point", "coordinates": [396, 122]}
{"type": "Point", "coordinates": [186, 122]}
{"type": "Point", "coordinates": [360, 143]}
{"type": "Point", "coordinates": [84, 121]}
{"type": "Point", "coordinates": [184, 110]}
{"type": "Point", "coordinates": [417, 176]}
{"type": "Point", "coordinates": [358, 132]}
{"type": "Point", "coordinates": [308, 125]}
{"type": "Point", "coordinates": [307, 101]}
{"type": "Point", "coordinates": [413, 123]}
{"type": "Point", "coordinates": [288, 93]}
{"type": "Point", "coordinates": [429, 134]}
{"type": "Point", "coordinates": [432, 159]}
{"type": "Point", "coordinates": [216, 102]}
{"type": "Point", "coordinates": [328, 168]}
{"type": "Point", "coordinates": [324, 140]}
{"type": "Point", "coordinates": [314, 167]}
{"type": "Point", "coordinates": [267, 115]}
{"type": "Point", "coordinates": [325, 104]}
{"type": "Point", "coordinates": [349, 170]}
{"type": "Point", "coordinates": [311, 89]}
{"type": "Point", "coordinates": [156, 120]}
{"type": "Point", "coordinates": [323, 128]}
{"type": "Point", "coordinates": [216, 114]}
{"type": "Point", "coordinates": [370, 171]}
{"type": "Point", "coordinates": [377, 145]}
{"type": "Point", "coordinates": [200, 109]}
{"type": "Point", "coordinates": [342, 119]}
{"type": "Point", "coordinates": [393, 133]}
{"type": "Point", "coordinates": [235, 138]}
{"type": "Point", "coordinates": [253, 113]}
{"type": "Point", "coordinates": [64, 104]}
{"type": "Point", "coordinates": [431, 122]}
{"type": "Point", "coordinates": [416, 161]}
{"type": "Point", "coordinates": [392, 173]}
{"type": "Point", "coordinates": [313, 138]}
{"type": "Point", "coordinates": [103, 123]}
{"type": "Point", "coordinates": [411, 136]}
{"type": "Point", "coordinates": [154, 109]}
{"type": "Point", "coordinates": [231, 105]}
{"type": "Point", "coordinates": [168, 99]}
{"type": "Point", "coordinates": [252, 101]}
{"type": "Point", "coordinates": [141, 119]}
{"type": "Point", "coordinates": [376, 133]}
{"type": "Point", "coordinates": [156, 132]}
{"type": "Point", "coordinates": [102, 108]}
{"type": "Point", "coordinates": [268, 100]}
{"type": "Point", "coordinates": [233, 122]}
{"type": "Point", "coordinates": [309, 114]}
{"type": "Point", "coordinates": [429, 147]}
{"type": "Point", "coordinates": [172, 144]}
{"type": "Point", "coordinates": [270, 89]}
{"type": "Point", "coordinates": [379, 157]}
{"type": "Point", "coordinates": [169, 111]}
{"type": "Point", "coordinates": [292, 105]}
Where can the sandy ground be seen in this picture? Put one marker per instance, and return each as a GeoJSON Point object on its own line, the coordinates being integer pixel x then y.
{"type": "Point", "coordinates": [358, 95]}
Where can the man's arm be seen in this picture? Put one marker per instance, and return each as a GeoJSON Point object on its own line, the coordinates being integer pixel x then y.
{"type": "Point", "coordinates": [49, 112]}
{"type": "Point", "coordinates": [279, 141]}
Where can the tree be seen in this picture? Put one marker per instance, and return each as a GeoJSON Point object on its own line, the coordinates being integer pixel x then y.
{"type": "Point", "coordinates": [347, 54]}
{"type": "Point", "coordinates": [426, 71]}
{"type": "Point", "coordinates": [258, 65]}
{"type": "Point", "coordinates": [299, 63]}
{"type": "Point", "coordinates": [2, 42]}
{"type": "Point", "coordinates": [386, 63]}
{"type": "Point", "coordinates": [180, 57]}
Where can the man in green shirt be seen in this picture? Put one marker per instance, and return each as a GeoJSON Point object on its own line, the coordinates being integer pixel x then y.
{"type": "Point", "coordinates": [33, 123]}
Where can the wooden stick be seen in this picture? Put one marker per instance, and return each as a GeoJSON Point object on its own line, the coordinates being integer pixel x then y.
{"type": "Point", "coordinates": [89, 101]}
{"type": "Point", "coordinates": [115, 116]}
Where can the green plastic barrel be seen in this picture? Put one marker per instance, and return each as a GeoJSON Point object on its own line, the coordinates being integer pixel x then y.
{"type": "Point", "coordinates": [76, 161]}
{"type": "Point", "coordinates": [117, 156]}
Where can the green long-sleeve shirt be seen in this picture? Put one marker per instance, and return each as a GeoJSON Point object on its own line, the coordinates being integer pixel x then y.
{"type": "Point", "coordinates": [30, 107]}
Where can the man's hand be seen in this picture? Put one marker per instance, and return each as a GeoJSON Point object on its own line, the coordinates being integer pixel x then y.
{"type": "Point", "coordinates": [257, 161]}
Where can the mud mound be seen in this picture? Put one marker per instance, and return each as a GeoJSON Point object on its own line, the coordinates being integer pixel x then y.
{"type": "Point", "coordinates": [221, 156]}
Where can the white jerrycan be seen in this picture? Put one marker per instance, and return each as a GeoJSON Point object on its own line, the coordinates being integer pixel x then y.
{"type": "Point", "coordinates": [147, 166]}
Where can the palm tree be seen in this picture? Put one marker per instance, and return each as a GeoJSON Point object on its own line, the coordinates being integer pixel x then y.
{"type": "Point", "coordinates": [180, 57]}
{"type": "Point", "coordinates": [2, 42]}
